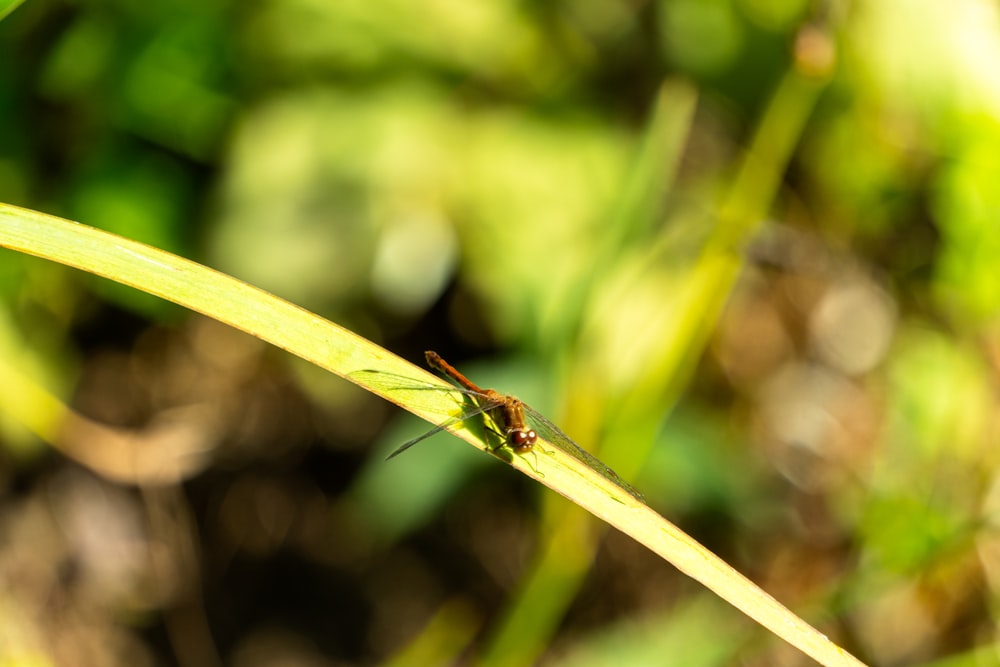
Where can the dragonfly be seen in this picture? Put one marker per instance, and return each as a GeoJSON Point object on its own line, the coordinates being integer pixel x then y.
{"type": "Point", "coordinates": [517, 423]}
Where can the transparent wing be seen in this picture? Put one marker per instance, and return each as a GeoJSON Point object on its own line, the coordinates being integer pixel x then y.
{"type": "Point", "coordinates": [411, 389]}
{"type": "Point", "coordinates": [553, 434]}
{"type": "Point", "coordinates": [440, 427]}
{"type": "Point", "coordinates": [418, 393]}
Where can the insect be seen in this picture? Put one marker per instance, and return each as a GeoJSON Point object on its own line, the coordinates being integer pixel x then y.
{"type": "Point", "coordinates": [509, 414]}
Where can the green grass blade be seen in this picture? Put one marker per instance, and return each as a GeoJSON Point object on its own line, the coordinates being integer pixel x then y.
{"type": "Point", "coordinates": [344, 353]}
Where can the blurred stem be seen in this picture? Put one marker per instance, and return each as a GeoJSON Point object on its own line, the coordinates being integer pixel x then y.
{"type": "Point", "coordinates": [24, 400]}
{"type": "Point", "coordinates": [555, 578]}
{"type": "Point", "coordinates": [7, 6]}
{"type": "Point", "coordinates": [639, 207]}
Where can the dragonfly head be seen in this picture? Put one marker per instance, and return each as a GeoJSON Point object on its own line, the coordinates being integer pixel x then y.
{"type": "Point", "coordinates": [521, 440]}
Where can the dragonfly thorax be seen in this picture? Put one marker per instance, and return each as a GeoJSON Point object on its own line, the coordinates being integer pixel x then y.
{"type": "Point", "coordinates": [509, 415]}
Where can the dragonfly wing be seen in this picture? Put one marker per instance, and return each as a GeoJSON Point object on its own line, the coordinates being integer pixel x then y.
{"type": "Point", "coordinates": [418, 393]}
{"type": "Point", "coordinates": [440, 427]}
{"type": "Point", "coordinates": [409, 443]}
{"type": "Point", "coordinates": [553, 434]}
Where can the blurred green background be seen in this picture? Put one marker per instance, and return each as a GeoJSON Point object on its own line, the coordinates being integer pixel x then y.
{"type": "Point", "coordinates": [746, 249]}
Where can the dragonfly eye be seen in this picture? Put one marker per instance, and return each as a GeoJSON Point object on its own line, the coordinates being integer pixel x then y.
{"type": "Point", "coordinates": [522, 441]}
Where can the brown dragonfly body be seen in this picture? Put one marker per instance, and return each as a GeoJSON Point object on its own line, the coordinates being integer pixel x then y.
{"type": "Point", "coordinates": [506, 411]}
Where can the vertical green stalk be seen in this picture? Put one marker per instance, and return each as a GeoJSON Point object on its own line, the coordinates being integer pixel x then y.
{"type": "Point", "coordinates": [564, 560]}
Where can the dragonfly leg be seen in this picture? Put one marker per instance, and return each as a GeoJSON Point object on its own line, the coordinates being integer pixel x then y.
{"type": "Point", "coordinates": [535, 467]}
{"type": "Point", "coordinates": [490, 428]}
{"type": "Point", "coordinates": [502, 438]}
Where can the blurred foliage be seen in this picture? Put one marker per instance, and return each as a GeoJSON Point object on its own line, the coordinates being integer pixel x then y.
{"type": "Point", "coordinates": [494, 180]}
